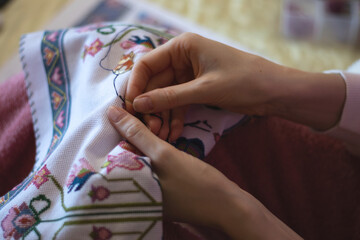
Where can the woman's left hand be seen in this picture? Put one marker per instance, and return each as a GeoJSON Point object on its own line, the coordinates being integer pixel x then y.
{"type": "Point", "coordinates": [195, 192]}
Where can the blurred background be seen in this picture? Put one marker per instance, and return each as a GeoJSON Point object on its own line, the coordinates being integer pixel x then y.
{"type": "Point", "coordinates": [304, 34]}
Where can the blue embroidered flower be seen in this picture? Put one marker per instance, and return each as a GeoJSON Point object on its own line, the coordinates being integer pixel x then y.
{"type": "Point", "coordinates": [79, 175]}
{"type": "Point", "coordinates": [192, 146]}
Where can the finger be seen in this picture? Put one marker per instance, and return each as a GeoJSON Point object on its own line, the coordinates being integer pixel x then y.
{"type": "Point", "coordinates": [161, 80]}
{"type": "Point", "coordinates": [177, 123]}
{"type": "Point", "coordinates": [162, 99]}
{"type": "Point", "coordinates": [149, 65]}
{"type": "Point", "coordinates": [164, 130]}
{"type": "Point", "coordinates": [153, 123]}
{"type": "Point", "coordinates": [136, 132]}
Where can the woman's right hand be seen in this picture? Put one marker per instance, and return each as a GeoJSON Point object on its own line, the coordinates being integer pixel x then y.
{"type": "Point", "coordinates": [190, 69]}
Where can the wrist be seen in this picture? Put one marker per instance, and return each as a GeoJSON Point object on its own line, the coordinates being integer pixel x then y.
{"type": "Point", "coordinates": [312, 99]}
{"type": "Point", "coordinates": [242, 216]}
{"type": "Point", "coordinates": [246, 218]}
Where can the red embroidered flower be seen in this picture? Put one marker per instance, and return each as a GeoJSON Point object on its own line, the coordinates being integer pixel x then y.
{"type": "Point", "coordinates": [49, 55]}
{"type": "Point", "coordinates": [17, 222]}
{"type": "Point", "coordinates": [100, 233]}
{"type": "Point", "coordinates": [94, 48]}
{"type": "Point", "coordinates": [125, 64]}
{"type": "Point", "coordinates": [98, 193]}
{"type": "Point", "coordinates": [131, 148]}
{"type": "Point", "coordinates": [56, 99]}
{"type": "Point", "coordinates": [41, 177]}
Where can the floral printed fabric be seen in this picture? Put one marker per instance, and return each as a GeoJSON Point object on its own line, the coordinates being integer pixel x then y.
{"type": "Point", "coordinates": [87, 181]}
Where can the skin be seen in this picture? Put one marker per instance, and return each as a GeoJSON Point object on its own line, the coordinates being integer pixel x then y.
{"type": "Point", "coordinates": [191, 69]}
{"type": "Point", "coordinates": [192, 189]}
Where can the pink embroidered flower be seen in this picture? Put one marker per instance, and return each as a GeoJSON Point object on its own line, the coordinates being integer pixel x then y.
{"type": "Point", "coordinates": [100, 233]}
{"type": "Point", "coordinates": [41, 177]}
{"type": "Point", "coordinates": [134, 47]}
{"type": "Point", "coordinates": [79, 175]}
{"type": "Point", "coordinates": [93, 49]}
{"type": "Point", "coordinates": [125, 159]}
{"type": "Point", "coordinates": [60, 120]}
{"type": "Point", "coordinates": [57, 76]}
{"type": "Point", "coordinates": [52, 37]}
{"type": "Point", "coordinates": [98, 193]}
{"type": "Point", "coordinates": [17, 222]}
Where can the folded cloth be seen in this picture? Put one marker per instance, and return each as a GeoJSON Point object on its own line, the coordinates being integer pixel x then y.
{"type": "Point", "coordinates": [17, 130]}
{"type": "Point", "coordinates": [86, 179]}
{"type": "Point", "coordinates": [308, 180]}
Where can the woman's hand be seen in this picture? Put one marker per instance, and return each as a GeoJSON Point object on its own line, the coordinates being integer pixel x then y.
{"type": "Point", "coordinates": [190, 69]}
{"type": "Point", "coordinates": [197, 193]}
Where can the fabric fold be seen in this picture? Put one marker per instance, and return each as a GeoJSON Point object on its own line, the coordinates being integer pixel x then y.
{"type": "Point", "coordinates": [87, 180]}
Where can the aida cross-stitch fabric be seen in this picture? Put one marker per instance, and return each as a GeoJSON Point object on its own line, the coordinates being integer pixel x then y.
{"type": "Point", "coordinates": [87, 182]}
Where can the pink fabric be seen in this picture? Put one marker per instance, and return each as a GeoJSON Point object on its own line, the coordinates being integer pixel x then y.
{"type": "Point", "coordinates": [348, 129]}
{"type": "Point", "coordinates": [307, 179]}
{"type": "Point", "coordinates": [17, 143]}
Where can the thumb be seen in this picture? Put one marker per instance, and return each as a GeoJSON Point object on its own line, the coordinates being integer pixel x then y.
{"type": "Point", "coordinates": [138, 134]}
{"type": "Point", "coordinates": [162, 99]}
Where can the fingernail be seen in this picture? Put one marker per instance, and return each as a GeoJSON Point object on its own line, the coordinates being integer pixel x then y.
{"type": "Point", "coordinates": [113, 114]}
{"type": "Point", "coordinates": [143, 104]}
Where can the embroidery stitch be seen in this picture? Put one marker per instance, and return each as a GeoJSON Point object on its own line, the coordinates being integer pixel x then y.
{"type": "Point", "coordinates": [147, 43]}
{"type": "Point", "coordinates": [193, 146]}
{"type": "Point", "coordinates": [97, 186]}
{"type": "Point", "coordinates": [93, 49]}
{"type": "Point", "coordinates": [98, 193]}
{"type": "Point", "coordinates": [79, 175]}
{"type": "Point", "coordinates": [18, 221]}
{"type": "Point", "coordinates": [125, 64]}
{"type": "Point", "coordinates": [125, 159]}
{"type": "Point", "coordinates": [41, 177]}
{"type": "Point", "coordinates": [196, 125]}
{"type": "Point", "coordinates": [100, 233]}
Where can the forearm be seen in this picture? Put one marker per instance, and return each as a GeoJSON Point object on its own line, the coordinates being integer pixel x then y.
{"type": "Point", "coordinates": [313, 99]}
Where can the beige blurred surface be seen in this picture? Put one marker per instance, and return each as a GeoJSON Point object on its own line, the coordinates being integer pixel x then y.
{"type": "Point", "coordinates": [252, 23]}
{"type": "Point", "coordinates": [22, 16]}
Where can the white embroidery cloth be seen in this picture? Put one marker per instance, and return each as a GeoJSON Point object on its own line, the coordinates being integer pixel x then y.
{"type": "Point", "coordinates": [86, 180]}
